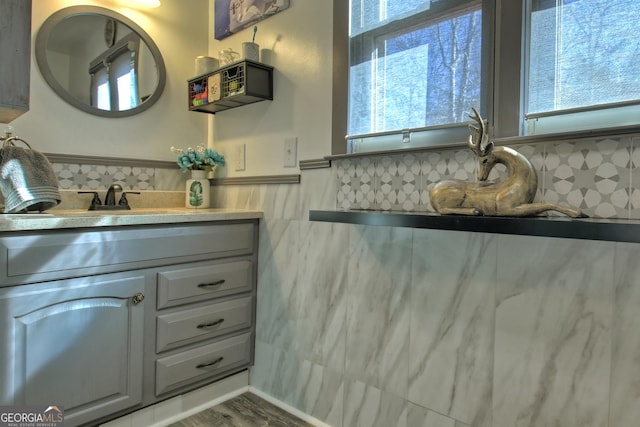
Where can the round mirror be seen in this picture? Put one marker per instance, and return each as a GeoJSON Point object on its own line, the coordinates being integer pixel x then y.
{"type": "Point", "coordinates": [100, 61]}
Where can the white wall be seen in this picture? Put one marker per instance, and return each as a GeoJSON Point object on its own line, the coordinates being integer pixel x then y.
{"type": "Point", "coordinates": [180, 29]}
{"type": "Point", "coordinates": [297, 42]}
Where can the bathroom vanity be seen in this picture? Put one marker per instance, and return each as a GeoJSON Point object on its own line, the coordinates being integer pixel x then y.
{"type": "Point", "coordinates": [104, 314]}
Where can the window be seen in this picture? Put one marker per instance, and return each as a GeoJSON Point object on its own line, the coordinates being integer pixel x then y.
{"type": "Point", "coordinates": [582, 57]}
{"type": "Point", "coordinates": [100, 91]}
{"type": "Point", "coordinates": [416, 67]}
{"type": "Point", "coordinates": [124, 73]}
{"type": "Point", "coordinates": [114, 82]}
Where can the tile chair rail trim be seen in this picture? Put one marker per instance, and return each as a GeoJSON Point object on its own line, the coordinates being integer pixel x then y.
{"type": "Point", "coordinates": [109, 161]}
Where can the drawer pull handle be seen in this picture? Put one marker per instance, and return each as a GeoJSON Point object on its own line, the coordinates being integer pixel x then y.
{"type": "Point", "coordinates": [208, 365]}
{"type": "Point", "coordinates": [210, 285]}
{"type": "Point", "coordinates": [210, 325]}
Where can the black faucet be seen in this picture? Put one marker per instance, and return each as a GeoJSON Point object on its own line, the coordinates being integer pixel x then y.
{"type": "Point", "coordinates": [109, 199]}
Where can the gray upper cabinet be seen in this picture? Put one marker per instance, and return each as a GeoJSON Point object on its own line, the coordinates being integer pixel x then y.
{"type": "Point", "coordinates": [15, 58]}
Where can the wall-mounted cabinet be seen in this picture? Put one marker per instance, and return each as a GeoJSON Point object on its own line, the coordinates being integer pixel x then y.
{"type": "Point", "coordinates": [231, 86]}
{"type": "Point", "coordinates": [15, 58]}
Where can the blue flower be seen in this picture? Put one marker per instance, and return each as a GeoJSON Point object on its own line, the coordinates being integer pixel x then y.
{"type": "Point", "coordinates": [199, 159]}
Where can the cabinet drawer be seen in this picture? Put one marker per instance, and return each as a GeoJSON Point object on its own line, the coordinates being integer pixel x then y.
{"type": "Point", "coordinates": [200, 363]}
{"type": "Point", "coordinates": [187, 326]}
{"type": "Point", "coordinates": [201, 283]}
{"type": "Point", "coordinates": [32, 257]}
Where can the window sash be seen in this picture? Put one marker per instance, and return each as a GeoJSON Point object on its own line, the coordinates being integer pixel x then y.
{"type": "Point", "coordinates": [125, 80]}
{"type": "Point", "coordinates": [374, 39]}
{"type": "Point", "coordinates": [600, 113]}
{"type": "Point", "coordinates": [100, 90]}
{"type": "Point", "coordinates": [407, 139]}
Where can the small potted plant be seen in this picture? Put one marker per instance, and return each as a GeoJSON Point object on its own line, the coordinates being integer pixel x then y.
{"type": "Point", "coordinates": [200, 161]}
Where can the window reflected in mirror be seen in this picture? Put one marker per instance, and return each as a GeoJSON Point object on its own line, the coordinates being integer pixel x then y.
{"type": "Point", "coordinates": [114, 76]}
{"type": "Point", "coordinates": [100, 61]}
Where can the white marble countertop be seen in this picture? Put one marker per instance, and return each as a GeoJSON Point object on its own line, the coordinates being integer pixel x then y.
{"type": "Point", "coordinates": [56, 219]}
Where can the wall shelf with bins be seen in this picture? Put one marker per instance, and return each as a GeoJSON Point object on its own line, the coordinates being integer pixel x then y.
{"type": "Point", "coordinates": [231, 86]}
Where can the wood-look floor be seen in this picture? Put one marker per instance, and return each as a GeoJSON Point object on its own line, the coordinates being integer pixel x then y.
{"type": "Point", "coordinates": [246, 410]}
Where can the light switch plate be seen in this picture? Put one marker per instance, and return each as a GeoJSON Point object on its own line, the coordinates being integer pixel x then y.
{"type": "Point", "coordinates": [290, 152]}
{"type": "Point", "coordinates": [241, 163]}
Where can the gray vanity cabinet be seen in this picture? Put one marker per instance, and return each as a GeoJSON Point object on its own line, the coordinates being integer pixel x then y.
{"type": "Point", "coordinates": [104, 321]}
{"type": "Point", "coordinates": [74, 343]}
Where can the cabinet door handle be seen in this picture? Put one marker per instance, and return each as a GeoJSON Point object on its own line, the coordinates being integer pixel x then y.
{"type": "Point", "coordinates": [137, 298]}
{"type": "Point", "coordinates": [208, 365]}
{"type": "Point", "coordinates": [212, 284]}
{"type": "Point", "coordinates": [210, 325]}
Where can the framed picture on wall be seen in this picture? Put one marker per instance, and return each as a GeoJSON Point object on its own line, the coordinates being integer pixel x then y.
{"type": "Point", "coordinates": [232, 16]}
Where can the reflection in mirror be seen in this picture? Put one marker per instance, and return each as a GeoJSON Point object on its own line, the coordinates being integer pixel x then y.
{"type": "Point", "coordinates": [100, 61]}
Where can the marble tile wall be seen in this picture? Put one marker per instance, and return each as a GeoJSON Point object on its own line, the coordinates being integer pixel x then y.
{"type": "Point", "coordinates": [554, 331]}
{"type": "Point", "coordinates": [377, 326]}
{"type": "Point", "coordinates": [600, 176]}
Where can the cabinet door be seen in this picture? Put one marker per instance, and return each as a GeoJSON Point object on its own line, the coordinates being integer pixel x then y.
{"type": "Point", "coordinates": [75, 343]}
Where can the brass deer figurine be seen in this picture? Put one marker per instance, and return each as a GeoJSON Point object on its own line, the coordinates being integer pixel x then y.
{"type": "Point", "coordinates": [512, 196]}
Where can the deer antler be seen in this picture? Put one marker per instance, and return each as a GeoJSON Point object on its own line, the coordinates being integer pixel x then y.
{"type": "Point", "coordinates": [478, 140]}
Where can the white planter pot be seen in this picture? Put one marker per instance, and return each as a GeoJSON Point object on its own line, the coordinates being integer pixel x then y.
{"type": "Point", "coordinates": [197, 191]}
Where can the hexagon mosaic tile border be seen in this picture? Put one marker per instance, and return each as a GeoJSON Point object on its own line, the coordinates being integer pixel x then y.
{"type": "Point", "coordinates": [90, 177]}
{"type": "Point", "coordinates": [601, 176]}
{"type": "Point", "coordinates": [74, 176]}
{"type": "Point", "coordinates": [95, 177]}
